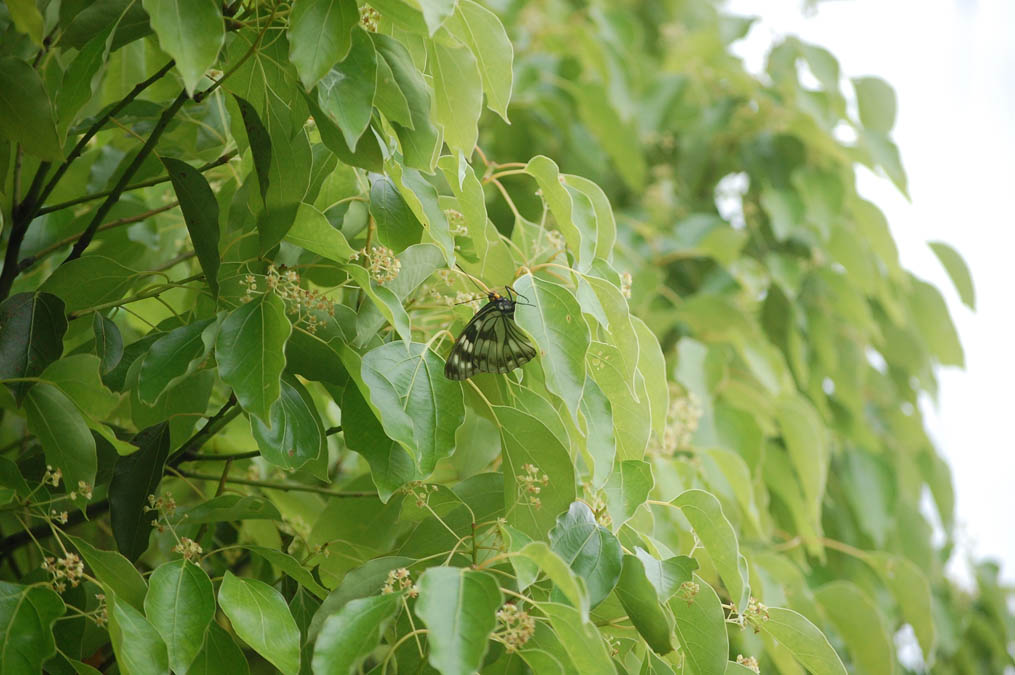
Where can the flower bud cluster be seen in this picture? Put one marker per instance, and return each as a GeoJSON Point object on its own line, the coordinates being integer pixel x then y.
{"type": "Point", "coordinates": [518, 626]}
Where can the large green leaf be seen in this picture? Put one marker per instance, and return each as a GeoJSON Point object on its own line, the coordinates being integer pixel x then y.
{"type": "Point", "coordinates": [250, 352]}
{"type": "Point", "coordinates": [28, 118]}
{"type": "Point", "coordinates": [641, 602]}
{"type": "Point", "coordinates": [803, 639]}
{"type": "Point", "coordinates": [180, 604]}
{"type": "Point", "coordinates": [632, 418]}
{"type": "Point", "coordinates": [458, 95]}
{"type": "Point", "coordinates": [200, 212]}
{"type": "Point", "coordinates": [858, 621]}
{"type": "Point", "coordinates": [875, 100]}
{"type": "Point", "coordinates": [419, 407]}
{"type": "Point", "coordinates": [719, 538]}
{"type": "Point", "coordinates": [391, 465]}
{"type": "Point", "coordinates": [89, 281]}
{"type": "Point", "coordinates": [114, 571]}
{"type": "Point", "coordinates": [77, 376]}
{"type": "Point", "coordinates": [32, 326]}
{"type": "Point", "coordinates": [555, 320]}
{"type": "Point", "coordinates": [805, 439]}
{"type": "Point", "coordinates": [219, 654]}
{"type": "Point", "coordinates": [348, 636]}
{"type": "Point", "coordinates": [911, 589]}
{"type": "Point", "coordinates": [170, 359]}
{"type": "Point", "coordinates": [346, 92]}
{"type": "Point", "coordinates": [27, 614]}
{"type": "Point", "coordinates": [261, 618]}
{"type": "Point", "coordinates": [458, 607]}
{"type": "Point", "coordinates": [666, 576]}
{"type": "Point", "coordinates": [108, 342]}
{"type": "Point", "coordinates": [572, 210]}
{"type": "Point", "coordinates": [319, 36]}
{"type": "Point", "coordinates": [134, 478]}
{"type": "Point", "coordinates": [296, 435]}
{"type": "Point", "coordinates": [957, 270]}
{"type": "Point", "coordinates": [482, 32]}
{"type": "Point", "coordinates": [191, 31]}
{"type": "Point", "coordinates": [138, 647]}
{"type": "Point", "coordinates": [64, 435]}
{"type": "Point", "coordinates": [627, 488]}
{"type": "Point", "coordinates": [590, 549]}
{"type": "Point", "coordinates": [397, 226]}
{"type": "Point", "coordinates": [701, 629]}
{"type": "Point", "coordinates": [526, 440]}
{"type": "Point", "coordinates": [557, 570]}
{"type": "Point", "coordinates": [583, 643]}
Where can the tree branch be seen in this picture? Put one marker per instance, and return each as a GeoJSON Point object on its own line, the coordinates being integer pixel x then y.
{"type": "Point", "coordinates": [114, 196]}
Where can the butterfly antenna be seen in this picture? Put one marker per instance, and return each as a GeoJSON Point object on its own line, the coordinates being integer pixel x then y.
{"type": "Point", "coordinates": [519, 295]}
{"type": "Point", "coordinates": [473, 280]}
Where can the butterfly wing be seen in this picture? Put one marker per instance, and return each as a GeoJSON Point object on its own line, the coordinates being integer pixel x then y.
{"type": "Point", "coordinates": [489, 343]}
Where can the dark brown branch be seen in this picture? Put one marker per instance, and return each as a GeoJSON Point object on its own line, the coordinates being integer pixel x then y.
{"type": "Point", "coordinates": [297, 487]}
{"type": "Point", "coordinates": [114, 196]}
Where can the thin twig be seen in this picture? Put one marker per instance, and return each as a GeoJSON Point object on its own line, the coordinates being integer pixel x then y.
{"type": "Point", "coordinates": [295, 487]}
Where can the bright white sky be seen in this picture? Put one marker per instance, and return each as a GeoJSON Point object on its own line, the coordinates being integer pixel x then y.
{"type": "Point", "coordinates": [952, 64]}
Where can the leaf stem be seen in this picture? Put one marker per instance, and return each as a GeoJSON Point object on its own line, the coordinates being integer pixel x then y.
{"type": "Point", "coordinates": [295, 487]}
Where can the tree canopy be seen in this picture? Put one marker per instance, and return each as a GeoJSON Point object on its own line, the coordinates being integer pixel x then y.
{"type": "Point", "coordinates": [240, 239]}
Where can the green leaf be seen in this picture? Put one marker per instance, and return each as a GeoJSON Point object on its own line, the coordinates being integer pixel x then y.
{"type": "Point", "coordinates": [296, 435]}
{"type": "Point", "coordinates": [482, 32]}
{"type": "Point", "coordinates": [291, 163]}
{"type": "Point", "coordinates": [555, 321]}
{"type": "Point", "coordinates": [666, 576]}
{"type": "Point", "coordinates": [421, 142]}
{"type": "Point", "coordinates": [134, 478]}
{"type": "Point", "coordinates": [581, 640]}
{"type": "Point", "coordinates": [138, 647]}
{"type": "Point", "coordinates": [171, 358]}
{"type": "Point", "coordinates": [32, 326]}
{"type": "Point", "coordinates": [632, 421]}
{"type": "Point", "coordinates": [391, 465]}
{"type": "Point", "coordinates": [89, 281]}
{"type": "Point", "coordinates": [388, 97]}
{"type": "Point", "coordinates": [219, 654]}
{"type": "Point", "coordinates": [261, 618]}
{"type": "Point", "coordinates": [572, 210]}
{"type": "Point", "coordinates": [458, 607]}
{"type": "Point", "coordinates": [113, 571]}
{"type": "Point", "coordinates": [627, 489]}
{"type": "Point", "coordinates": [77, 376]}
{"type": "Point", "coordinates": [858, 621]}
{"type": "Point", "coordinates": [260, 144]}
{"type": "Point", "coordinates": [652, 365]}
{"type": "Point", "coordinates": [911, 589]}
{"type": "Point", "coordinates": [27, 19]}
{"type": "Point", "coordinates": [250, 352]}
{"type": "Point", "coordinates": [719, 538]}
{"type": "Point", "coordinates": [421, 197]}
{"type": "Point", "coordinates": [606, 225]}
{"type": "Point", "coordinates": [600, 441]}
{"type": "Point", "coordinates": [27, 614]}
{"type": "Point", "coordinates": [590, 549]}
{"type": "Point", "coordinates": [526, 440]}
{"type": "Point", "coordinates": [28, 118]}
{"type": "Point", "coordinates": [108, 342]}
{"type": "Point", "coordinates": [201, 213]}
{"type": "Point", "coordinates": [191, 31]}
{"type": "Point", "coordinates": [348, 636]}
{"type": "Point", "coordinates": [875, 100]}
{"type": "Point", "coordinates": [701, 629]}
{"type": "Point", "coordinates": [957, 270]}
{"type": "Point", "coordinates": [930, 314]}
{"type": "Point", "coordinates": [618, 325]}
{"type": "Point", "coordinates": [805, 439]}
{"type": "Point", "coordinates": [640, 601]}
{"type": "Point", "coordinates": [82, 78]}
{"type": "Point", "coordinates": [346, 92]}
{"type": "Point", "coordinates": [617, 137]}
{"type": "Point", "coordinates": [319, 36]}
{"type": "Point", "coordinates": [180, 604]}
{"type": "Point", "coordinates": [418, 262]}
{"type": "Point", "coordinates": [458, 95]}
{"type": "Point", "coordinates": [727, 472]}
{"type": "Point", "coordinates": [288, 564]}
{"type": "Point", "coordinates": [230, 507]}
{"type": "Point", "coordinates": [419, 407]}
{"type": "Point", "coordinates": [397, 226]}
{"type": "Point", "coordinates": [64, 435]}
{"type": "Point", "coordinates": [803, 639]}
{"type": "Point", "coordinates": [557, 570]}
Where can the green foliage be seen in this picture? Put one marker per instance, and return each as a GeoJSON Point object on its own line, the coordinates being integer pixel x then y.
{"type": "Point", "coordinates": [240, 239]}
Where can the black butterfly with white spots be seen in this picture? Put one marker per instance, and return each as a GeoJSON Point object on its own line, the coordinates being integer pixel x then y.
{"type": "Point", "coordinates": [490, 343]}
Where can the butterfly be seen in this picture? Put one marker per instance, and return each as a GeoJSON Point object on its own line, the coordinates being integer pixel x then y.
{"type": "Point", "coordinates": [490, 343]}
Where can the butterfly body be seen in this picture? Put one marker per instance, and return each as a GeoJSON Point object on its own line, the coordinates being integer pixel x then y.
{"type": "Point", "coordinates": [490, 343]}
